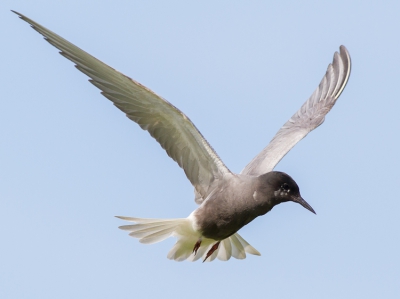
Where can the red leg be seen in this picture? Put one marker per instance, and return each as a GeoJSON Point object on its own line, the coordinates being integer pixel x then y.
{"type": "Point", "coordinates": [211, 251]}
{"type": "Point", "coordinates": [196, 246]}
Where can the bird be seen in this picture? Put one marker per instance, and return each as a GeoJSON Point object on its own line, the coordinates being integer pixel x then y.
{"type": "Point", "coordinates": [227, 201]}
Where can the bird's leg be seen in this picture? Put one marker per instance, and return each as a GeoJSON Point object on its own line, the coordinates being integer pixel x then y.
{"type": "Point", "coordinates": [211, 251]}
{"type": "Point", "coordinates": [196, 246]}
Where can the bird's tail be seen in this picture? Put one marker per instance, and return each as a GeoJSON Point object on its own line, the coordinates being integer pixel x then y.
{"type": "Point", "coordinates": [150, 231]}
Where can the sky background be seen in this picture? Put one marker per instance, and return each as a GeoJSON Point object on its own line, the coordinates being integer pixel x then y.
{"type": "Point", "coordinates": [70, 161]}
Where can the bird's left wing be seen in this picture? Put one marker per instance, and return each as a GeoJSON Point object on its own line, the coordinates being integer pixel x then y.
{"type": "Point", "coordinates": [168, 125]}
{"type": "Point", "coordinates": [307, 118]}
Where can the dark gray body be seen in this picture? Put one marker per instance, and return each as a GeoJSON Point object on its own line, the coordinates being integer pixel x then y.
{"type": "Point", "coordinates": [233, 204]}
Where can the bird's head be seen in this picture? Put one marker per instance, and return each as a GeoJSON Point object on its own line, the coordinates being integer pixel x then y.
{"type": "Point", "coordinates": [280, 187]}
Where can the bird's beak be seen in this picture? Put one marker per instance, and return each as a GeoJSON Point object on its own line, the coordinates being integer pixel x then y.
{"type": "Point", "coordinates": [301, 201]}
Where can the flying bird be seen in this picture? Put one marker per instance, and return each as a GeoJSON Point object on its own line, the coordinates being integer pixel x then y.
{"type": "Point", "coordinates": [227, 201]}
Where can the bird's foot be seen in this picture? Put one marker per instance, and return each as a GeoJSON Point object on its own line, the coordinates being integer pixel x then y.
{"type": "Point", "coordinates": [211, 251]}
{"type": "Point", "coordinates": [196, 246]}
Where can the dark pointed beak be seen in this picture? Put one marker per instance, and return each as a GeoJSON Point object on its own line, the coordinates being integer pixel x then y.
{"type": "Point", "coordinates": [301, 201]}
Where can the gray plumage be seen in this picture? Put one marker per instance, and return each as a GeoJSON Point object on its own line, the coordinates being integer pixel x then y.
{"type": "Point", "coordinates": [228, 201]}
{"type": "Point", "coordinates": [307, 118]}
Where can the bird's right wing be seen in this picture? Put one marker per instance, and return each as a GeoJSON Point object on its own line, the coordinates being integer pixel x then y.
{"type": "Point", "coordinates": [168, 125]}
{"type": "Point", "coordinates": [307, 118]}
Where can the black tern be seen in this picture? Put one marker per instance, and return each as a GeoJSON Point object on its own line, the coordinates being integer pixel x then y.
{"type": "Point", "coordinates": [227, 201]}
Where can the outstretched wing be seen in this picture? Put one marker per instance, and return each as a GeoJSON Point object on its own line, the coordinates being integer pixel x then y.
{"type": "Point", "coordinates": [168, 125]}
{"type": "Point", "coordinates": [307, 118]}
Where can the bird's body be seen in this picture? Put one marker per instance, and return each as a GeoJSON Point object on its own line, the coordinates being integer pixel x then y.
{"type": "Point", "coordinates": [238, 200]}
{"type": "Point", "coordinates": [220, 215]}
{"type": "Point", "coordinates": [227, 201]}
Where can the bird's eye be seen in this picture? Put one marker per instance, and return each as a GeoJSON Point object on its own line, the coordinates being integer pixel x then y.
{"type": "Point", "coordinates": [285, 187]}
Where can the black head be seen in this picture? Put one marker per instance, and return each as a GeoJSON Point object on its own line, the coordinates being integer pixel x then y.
{"type": "Point", "coordinates": [280, 187]}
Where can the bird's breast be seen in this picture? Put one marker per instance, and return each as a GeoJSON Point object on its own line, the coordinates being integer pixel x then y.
{"type": "Point", "coordinates": [227, 211]}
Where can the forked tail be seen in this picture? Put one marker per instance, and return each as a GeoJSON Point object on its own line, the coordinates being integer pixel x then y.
{"type": "Point", "coordinates": [150, 231]}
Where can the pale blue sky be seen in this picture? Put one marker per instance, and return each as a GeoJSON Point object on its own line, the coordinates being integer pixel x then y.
{"type": "Point", "coordinates": [70, 161]}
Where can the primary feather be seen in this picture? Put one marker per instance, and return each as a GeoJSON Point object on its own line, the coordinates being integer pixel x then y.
{"type": "Point", "coordinates": [307, 118]}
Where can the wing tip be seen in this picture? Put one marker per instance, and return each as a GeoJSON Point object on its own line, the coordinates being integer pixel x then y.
{"type": "Point", "coordinates": [343, 49]}
{"type": "Point", "coordinates": [344, 55]}
{"type": "Point", "coordinates": [20, 15]}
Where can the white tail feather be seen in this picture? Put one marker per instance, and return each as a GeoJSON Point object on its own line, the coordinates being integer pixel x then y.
{"type": "Point", "coordinates": [225, 251]}
{"type": "Point", "coordinates": [247, 247]}
{"type": "Point", "coordinates": [237, 248]}
{"type": "Point", "coordinates": [150, 231]}
{"type": "Point", "coordinates": [158, 236]}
